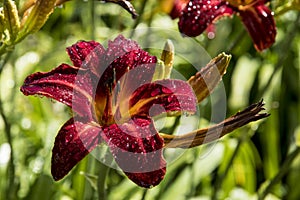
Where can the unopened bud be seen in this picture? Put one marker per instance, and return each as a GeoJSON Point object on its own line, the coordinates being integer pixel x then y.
{"type": "Point", "coordinates": [10, 20]}
{"type": "Point", "coordinates": [2, 22]}
{"type": "Point", "coordinates": [165, 64]}
{"type": "Point", "coordinates": [167, 57]}
{"type": "Point", "coordinates": [36, 16]}
{"type": "Point", "coordinates": [204, 81]}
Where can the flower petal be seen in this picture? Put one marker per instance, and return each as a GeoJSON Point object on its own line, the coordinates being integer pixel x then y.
{"type": "Point", "coordinates": [120, 46]}
{"type": "Point", "coordinates": [260, 24]}
{"type": "Point", "coordinates": [123, 55]}
{"type": "Point", "coordinates": [178, 6]}
{"type": "Point", "coordinates": [137, 149]}
{"type": "Point", "coordinates": [64, 84]}
{"type": "Point", "coordinates": [170, 95]}
{"type": "Point", "coordinates": [78, 52]}
{"type": "Point", "coordinates": [199, 14]}
{"type": "Point", "coordinates": [128, 61]}
{"type": "Point", "coordinates": [73, 142]}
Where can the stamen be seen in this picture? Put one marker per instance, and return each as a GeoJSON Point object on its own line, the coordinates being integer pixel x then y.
{"type": "Point", "coordinates": [107, 117]}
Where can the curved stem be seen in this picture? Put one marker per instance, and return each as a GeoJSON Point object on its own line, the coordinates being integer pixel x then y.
{"type": "Point", "coordinates": [126, 5]}
{"type": "Point", "coordinates": [285, 167]}
{"type": "Point", "coordinates": [138, 20]}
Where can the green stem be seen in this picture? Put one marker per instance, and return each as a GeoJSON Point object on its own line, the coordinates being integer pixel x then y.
{"type": "Point", "coordinates": [237, 41]}
{"type": "Point", "coordinates": [101, 182]}
{"type": "Point", "coordinates": [282, 56]}
{"type": "Point", "coordinates": [4, 61]}
{"type": "Point", "coordinates": [222, 177]}
{"type": "Point", "coordinates": [92, 16]}
{"type": "Point", "coordinates": [3, 49]}
{"type": "Point", "coordinates": [144, 194]}
{"type": "Point", "coordinates": [285, 167]}
{"type": "Point", "coordinates": [138, 20]}
{"type": "Point", "coordinates": [11, 166]}
{"type": "Point", "coordinates": [7, 130]}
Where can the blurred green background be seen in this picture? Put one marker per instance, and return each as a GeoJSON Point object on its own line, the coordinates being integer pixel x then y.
{"type": "Point", "coordinates": [238, 166]}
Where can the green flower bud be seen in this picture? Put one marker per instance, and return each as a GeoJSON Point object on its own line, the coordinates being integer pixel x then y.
{"type": "Point", "coordinates": [36, 16]}
{"type": "Point", "coordinates": [11, 20]}
{"type": "Point", "coordinates": [165, 64]}
{"type": "Point", "coordinates": [1, 25]}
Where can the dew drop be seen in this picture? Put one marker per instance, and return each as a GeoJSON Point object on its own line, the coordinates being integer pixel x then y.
{"type": "Point", "coordinates": [155, 92]}
{"type": "Point", "coordinates": [166, 90]}
{"type": "Point", "coordinates": [170, 98]}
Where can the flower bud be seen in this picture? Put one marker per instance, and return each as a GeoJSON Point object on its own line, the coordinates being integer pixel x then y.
{"type": "Point", "coordinates": [164, 66]}
{"type": "Point", "coordinates": [1, 25]}
{"type": "Point", "coordinates": [36, 16]}
{"type": "Point", "coordinates": [167, 57]}
{"type": "Point", "coordinates": [204, 81]}
{"type": "Point", "coordinates": [10, 20]}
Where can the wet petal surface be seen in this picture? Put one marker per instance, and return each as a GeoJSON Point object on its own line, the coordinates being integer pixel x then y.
{"type": "Point", "coordinates": [260, 24]}
{"type": "Point", "coordinates": [74, 141]}
{"type": "Point", "coordinates": [163, 96]}
{"type": "Point", "coordinates": [118, 47]}
{"type": "Point", "coordinates": [65, 84]}
{"type": "Point", "coordinates": [79, 52]}
{"type": "Point", "coordinates": [199, 14]}
{"type": "Point", "coordinates": [137, 149]}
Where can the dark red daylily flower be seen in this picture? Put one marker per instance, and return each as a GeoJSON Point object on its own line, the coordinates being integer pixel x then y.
{"type": "Point", "coordinates": [114, 96]}
{"type": "Point", "coordinates": [177, 7]}
{"type": "Point", "coordinates": [255, 15]}
{"type": "Point", "coordinates": [111, 91]}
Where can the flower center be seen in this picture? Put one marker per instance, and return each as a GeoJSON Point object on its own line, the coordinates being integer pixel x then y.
{"type": "Point", "coordinates": [104, 105]}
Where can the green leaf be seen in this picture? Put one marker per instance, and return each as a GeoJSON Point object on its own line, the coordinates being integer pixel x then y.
{"type": "Point", "coordinates": [42, 188]}
{"type": "Point", "coordinates": [297, 136]}
{"type": "Point", "coordinates": [92, 179]}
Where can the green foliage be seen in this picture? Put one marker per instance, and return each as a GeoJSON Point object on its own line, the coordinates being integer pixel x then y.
{"type": "Point", "coordinates": [243, 164]}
